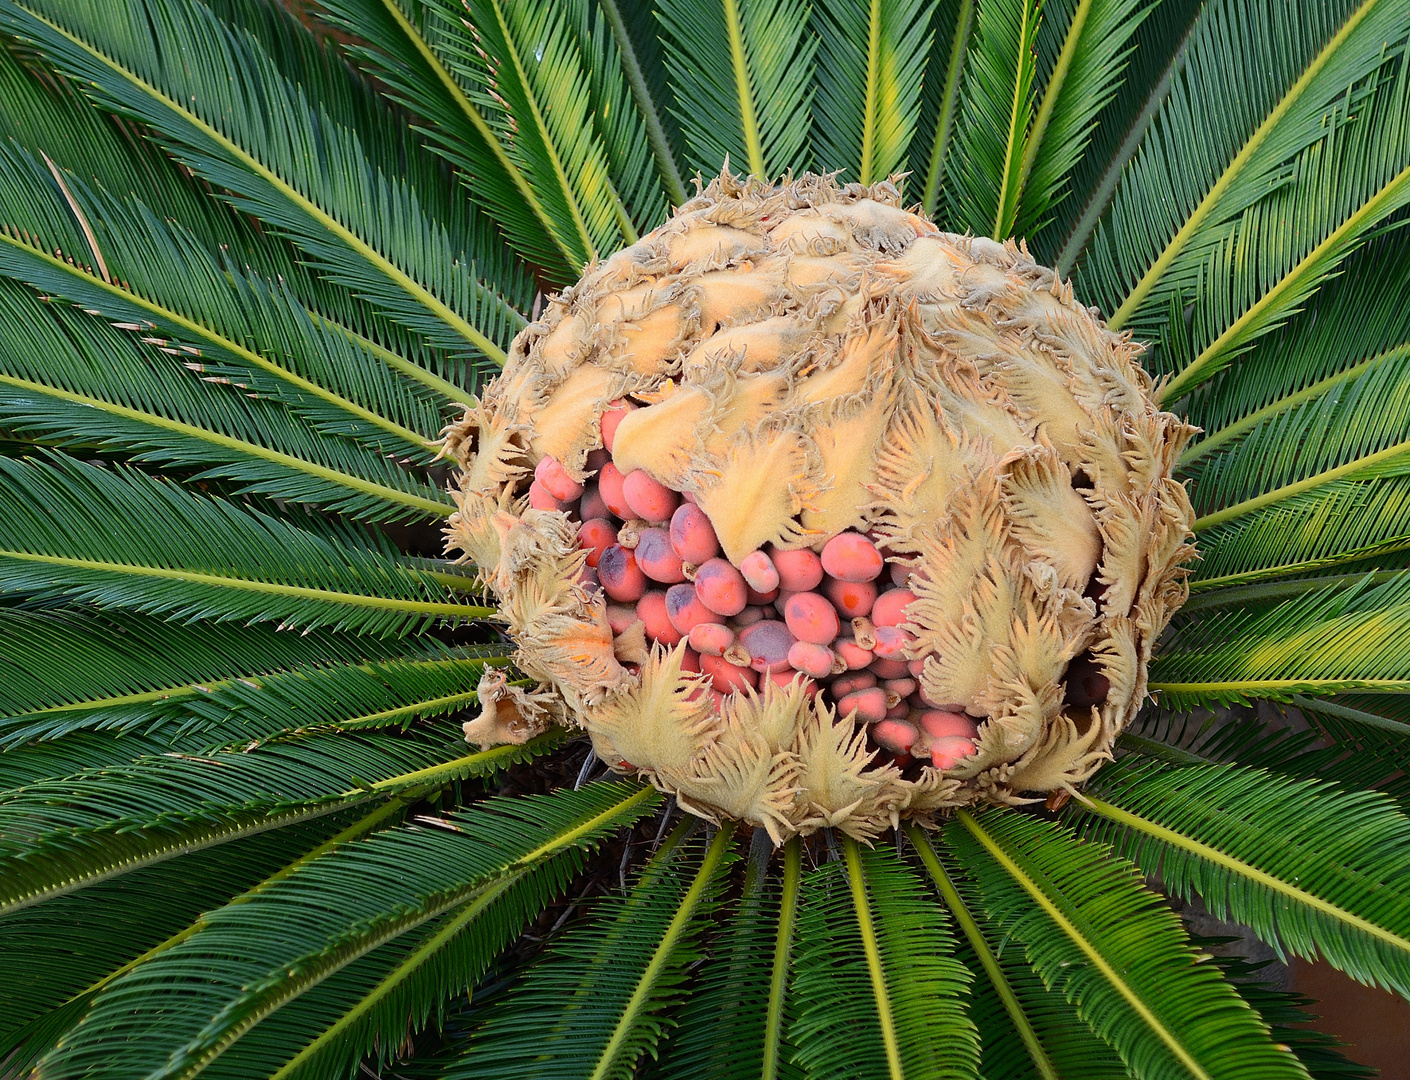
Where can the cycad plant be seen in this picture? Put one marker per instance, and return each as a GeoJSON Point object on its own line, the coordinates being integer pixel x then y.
{"type": "Point", "coordinates": [258, 260]}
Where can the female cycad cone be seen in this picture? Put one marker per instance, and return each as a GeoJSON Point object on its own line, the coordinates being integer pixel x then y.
{"type": "Point", "coordinates": [816, 516]}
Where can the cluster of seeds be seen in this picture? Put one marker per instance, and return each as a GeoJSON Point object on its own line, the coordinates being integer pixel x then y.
{"type": "Point", "coordinates": [832, 620]}
{"type": "Point", "coordinates": [816, 516]}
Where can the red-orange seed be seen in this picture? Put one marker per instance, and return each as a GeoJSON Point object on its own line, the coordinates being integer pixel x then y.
{"type": "Point", "coordinates": [851, 556]}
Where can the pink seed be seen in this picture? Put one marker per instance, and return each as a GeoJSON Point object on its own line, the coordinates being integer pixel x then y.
{"type": "Point", "coordinates": [811, 617]}
{"type": "Point", "coordinates": [684, 609]}
{"type": "Point", "coordinates": [786, 677]}
{"type": "Point", "coordinates": [851, 598]}
{"type": "Point", "coordinates": [651, 609]}
{"type": "Point", "coordinates": [721, 587]}
{"type": "Point", "coordinates": [657, 558]}
{"type": "Point", "coordinates": [948, 752]}
{"type": "Point", "coordinates": [904, 687]}
{"type": "Point", "coordinates": [648, 497]}
{"type": "Point", "coordinates": [895, 735]}
{"type": "Point", "coordinates": [620, 575]}
{"type": "Point", "coordinates": [853, 655]}
{"type": "Point", "coordinates": [869, 704]}
{"type": "Point", "coordinates": [768, 644]}
{"type": "Point", "coordinates": [540, 498]}
{"type": "Point", "coordinates": [748, 617]}
{"type": "Point", "coordinates": [760, 599]}
{"type": "Point", "coordinates": [615, 414]}
{"type": "Point", "coordinates": [690, 661]}
{"type": "Point", "coordinates": [711, 639]}
{"type": "Point", "coordinates": [851, 556]}
{"type": "Point", "coordinates": [758, 569]}
{"type": "Point", "coordinates": [892, 642]}
{"type": "Point", "coordinates": [550, 473]}
{"type": "Point", "coordinates": [898, 712]}
{"type": "Point", "coordinates": [811, 658]}
{"type": "Point", "coordinates": [916, 667]}
{"type": "Point", "coordinates": [727, 677]}
{"type": "Point", "coordinates": [850, 684]}
{"type": "Point", "coordinates": [620, 617]}
{"type": "Point", "coordinates": [692, 535]}
{"type": "Point", "coordinates": [597, 535]}
{"type": "Point", "coordinates": [609, 486]}
{"type": "Point", "coordinates": [940, 725]}
{"type": "Point", "coordinates": [890, 607]}
{"type": "Point", "coordinates": [900, 574]}
{"type": "Point", "coordinates": [593, 504]}
{"type": "Point", "coordinates": [889, 669]}
{"type": "Point", "coordinates": [798, 571]}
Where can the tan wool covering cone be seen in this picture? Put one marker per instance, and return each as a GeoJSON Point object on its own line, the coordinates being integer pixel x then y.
{"type": "Point", "coordinates": [812, 357]}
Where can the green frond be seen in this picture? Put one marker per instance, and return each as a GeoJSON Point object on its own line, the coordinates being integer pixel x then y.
{"type": "Point", "coordinates": [529, 75]}
{"type": "Point", "coordinates": [68, 668]}
{"type": "Point", "coordinates": [399, 42]}
{"type": "Point", "coordinates": [71, 380]}
{"type": "Point", "coordinates": [731, 991]}
{"type": "Point", "coordinates": [194, 1000]}
{"type": "Point", "coordinates": [940, 94]}
{"type": "Point", "coordinates": [1330, 640]}
{"type": "Point", "coordinates": [1092, 932]}
{"type": "Point", "coordinates": [66, 834]}
{"type": "Point", "coordinates": [1025, 1029]}
{"type": "Point", "coordinates": [1096, 43]}
{"type": "Point", "coordinates": [1336, 433]}
{"type": "Point", "coordinates": [365, 229]}
{"type": "Point", "coordinates": [646, 91]}
{"type": "Point", "coordinates": [996, 110]}
{"type": "Point", "coordinates": [121, 539]}
{"type": "Point", "coordinates": [46, 118]}
{"type": "Point", "coordinates": [52, 955]}
{"type": "Point", "coordinates": [742, 72]}
{"type": "Point", "coordinates": [370, 1008]}
{"type": "Point", "coordinates": [1349, 184]}
{"type": "Point", "coordinates": [870, 62]}
{"type": "Point", "coordinates": [1210, 154]}
{"type": "Point", "coordinates": [1288, 1016]}
{"type": "Point", "coordinates": [591, 1006]}
{"type": "Point", "coordinates": [1312, 870]}
{"type": "Point", "coordinates": [1344, 524]}
{"type": "Point", "coordinates": [874, 958]}
{"type": "Point", "coordinates": [154, 278]}
{"type": "Point", "coordinates": [1159, 50]}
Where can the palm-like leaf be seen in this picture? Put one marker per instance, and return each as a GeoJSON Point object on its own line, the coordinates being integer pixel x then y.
{"type": "Point", "coordinates": [250, 264]}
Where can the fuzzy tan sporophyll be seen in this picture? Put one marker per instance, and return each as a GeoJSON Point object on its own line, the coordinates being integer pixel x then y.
{"type": "Point", "coordinates": [814, 515]}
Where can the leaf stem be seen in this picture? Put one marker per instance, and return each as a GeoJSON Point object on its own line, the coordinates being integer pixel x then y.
{"type": "Point", "coordinates": [748, 121]}
{"type": "Point", "coordinates": [1287, 491]}
{"type": "Point", "coordinates": [862, 905]}
{"type": "Point", "coordinates": [302, 592]}
{"type": "Point", "coordinates": [1244, 870]}
{"type": "Point", "coordinates": [1106, 187]}
{"type": "Point", "coordinates": [981, 948]}
{"type": "Point", "coordinates": [954, 69]}
{"type": "Point", "coordinates": [431, 507]}
{"type": "Point", "coordinates": [1231, 172]}
{"type": "Point", "coordinates": [1381, 203]}
{"type": "Point", "coordinates": [783, 944]}
{"type": "Point", "coordinates": [1051, 92]}
{"type": "Point", "coordinates": [481, 126]}
{"type": "Point", "coordinates": [655, 133]}
{"type": "Point", "coordinates": [1093, 955]}
{"type": "Point", "coordinates": [607, 1063]}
